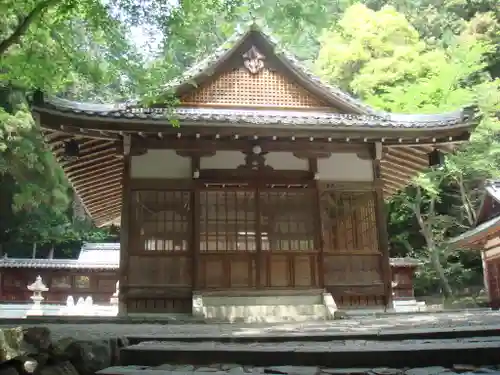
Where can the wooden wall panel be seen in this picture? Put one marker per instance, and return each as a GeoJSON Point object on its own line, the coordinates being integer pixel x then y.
{"type": "Point", "coordinates": [352, 269]}
{"type": "Point", "coordinates": [493, 272]}
{"type": "Point", "coordinates": [214, 272]}
{"type": "Point", "coordinates": [242, 271]}
{"type": "Point", "coordinates": [349, 221]}
{"type": "Point", "coordinates": [279, 271]}
{"type": "Point", "coordinates": [225, 271]}
{"type": "Point", "coordinates": [303, 274]}
{"type": "Point", "coordinates": [352, 261]}
{"type": "Point", "coordinates": [174, 270]}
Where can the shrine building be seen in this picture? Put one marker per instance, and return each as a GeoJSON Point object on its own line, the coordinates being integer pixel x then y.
{"type": "Point", "coordinates": [261, 192]}
{"type": "Point", "coordinates": [485, 237]}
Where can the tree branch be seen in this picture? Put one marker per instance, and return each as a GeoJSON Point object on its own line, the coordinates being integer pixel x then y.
{"type": "Point", "coordinates": [24, 25]}
{"type": "Point", "coordinates": [465, 202]}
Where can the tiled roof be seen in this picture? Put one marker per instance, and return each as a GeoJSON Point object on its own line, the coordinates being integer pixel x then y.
{"type": "Point", "coordinates": [54, 263]}
{"type": "Point", "coordinates": [104, 256]}
{"type": "Point", "coordinates": [477, 230]}
{"type": "Point", "coordinates": [492, 189]}
{"type": "Point", "coordinates": [405, 262]}
{"type": "Point", "coordinates": [259, 117]}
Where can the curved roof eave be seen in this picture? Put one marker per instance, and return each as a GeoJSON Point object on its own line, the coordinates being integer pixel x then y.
{"type": "Point", "coordinates": [263, 118]}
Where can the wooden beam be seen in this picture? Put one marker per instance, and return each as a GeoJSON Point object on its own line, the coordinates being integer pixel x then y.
{"type": "Point", "coordinates": [125, 233]}
{"type": "Point", "coordinates": [299, 145]}
{"type": "Point", "coordinates": [96, 170]}
{"type": "Point", "coordinates": [97, 196]}
{"type": "Point", "coordinates": [406, 164]}
{"type": "Point", "coordinates": [99, 158]}
{"type": "Point", "coordinates": [383, 236]}
{"type": "Point", "coordinates": [108, 181]}
{"type": "Point", "coordinates": [104, 203]}
{"type": "Point", "coordinates": [112, 174]}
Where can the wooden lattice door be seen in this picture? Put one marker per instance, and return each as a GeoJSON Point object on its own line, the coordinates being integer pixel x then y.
{"type": "Point", "coordinates": [160, 256]}
{"type": "Point", "coordinates": [289, 233]}
{"type": "Point", "coordinates": [253, 238]}
{"type": "Point", "coordinates": [227, 236]}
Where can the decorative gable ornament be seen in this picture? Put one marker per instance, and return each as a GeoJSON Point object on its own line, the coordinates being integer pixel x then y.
{"type": "Point", "coordinates": [253, 60]}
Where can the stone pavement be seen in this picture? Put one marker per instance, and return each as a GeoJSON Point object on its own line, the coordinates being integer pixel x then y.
{"type": "Point", "coordinates": [400, 323]}
{"type": "Point", "coordinates": [235, 369]}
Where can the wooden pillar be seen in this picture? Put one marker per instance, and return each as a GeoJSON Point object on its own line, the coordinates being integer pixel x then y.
{"type": "Point", "coordinates": [318, 224]}
{"type": "Point", "coordinates": [381, 217]}
{"type": "Point", "coordinates": [125, 227]}
{"type": "Point", "coordinates": [486, 277]}
{"type": "Point", "coordinates": [259, 260]}
{"type": "Point", "coordinates": [195, 225]}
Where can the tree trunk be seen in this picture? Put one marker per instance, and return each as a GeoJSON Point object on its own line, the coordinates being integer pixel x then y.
{"type": "Point", "coordinates": [33, 252]}
{"type": "Point", "coordinates": [466, 203]}
{"type": "Point", "coordinates": [436, 263]}
{"type": "Point", "coordinates": [426, 230]}
{"type": "Point", "coordinates": [51, 253]}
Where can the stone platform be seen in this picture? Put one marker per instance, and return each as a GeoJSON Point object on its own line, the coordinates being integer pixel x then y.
{"type": "Point", "coordinates": [421, 323]}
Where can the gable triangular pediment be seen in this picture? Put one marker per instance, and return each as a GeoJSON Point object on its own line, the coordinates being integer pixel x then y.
{"type": "Point", "coordinates": [252, 81]}
{"type": "Point", "coordinates": [250, 71]}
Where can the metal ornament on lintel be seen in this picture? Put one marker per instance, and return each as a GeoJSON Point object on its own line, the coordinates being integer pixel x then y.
{"type": "Point", "coordinates": [253, 60]}
{"type": "Point", "coordinates": [436, 158]}
{"type": "Point", "coordinates": [71, 149]}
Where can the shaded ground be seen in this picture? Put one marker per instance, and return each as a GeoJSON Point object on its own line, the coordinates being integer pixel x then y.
{"type": "Point", "coordinates": [455, 320]}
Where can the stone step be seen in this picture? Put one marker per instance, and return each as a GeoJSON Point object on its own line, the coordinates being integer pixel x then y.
{"type": "Point", "coordinates": [236, 369]}
{"type": "Point", "coordinates": [251, 334]}
{"type": "Point", "coordinates": [350, 353]}
{"type": "Point", "coordinates": [266, 313]}
{"type": "Point", "coordinates": [249, 299]}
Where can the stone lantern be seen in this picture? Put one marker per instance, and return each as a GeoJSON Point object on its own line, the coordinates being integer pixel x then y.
{"type": "Point", "coordinates": [38, 287]}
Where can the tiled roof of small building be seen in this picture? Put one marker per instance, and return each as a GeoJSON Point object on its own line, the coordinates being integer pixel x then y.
{"type": "Point", "coordinates": [92, 256]}
{"type": "Point", "coordinates": [405, 262]}
{"type": "Point", "coordinates": [492, 189]}
{"type": "Point", "coordinates": [490, 224]}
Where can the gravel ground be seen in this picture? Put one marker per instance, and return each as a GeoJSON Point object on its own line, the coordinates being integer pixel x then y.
{"type": "Point", "coordinates": [416, 322]}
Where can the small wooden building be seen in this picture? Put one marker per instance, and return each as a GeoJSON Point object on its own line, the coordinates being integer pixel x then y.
{"type": "Point", "coordinates": [485, 237]}
{"type": "Point", "coordinates": [272, 185]}
{"type": "Point", "coordinates": [403, 272]}
{"type": "Point", "coordinates": [94, 274]}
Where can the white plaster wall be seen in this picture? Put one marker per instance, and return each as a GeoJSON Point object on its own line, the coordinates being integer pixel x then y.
{"type": "Point", "coordinates": [345, 167]}
{"type": "Point", "coordinates": [232, 159]}
{"type": "Point", "coordinates": [286, 161]}
{"type": "Point", "coordinates": [160, 164]}
{"type": "Point", "coordinates": [223, 160]}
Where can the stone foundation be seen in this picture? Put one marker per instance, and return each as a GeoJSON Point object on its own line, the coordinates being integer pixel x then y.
{"type": "Point", "coordinates": [267, 306]}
